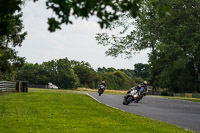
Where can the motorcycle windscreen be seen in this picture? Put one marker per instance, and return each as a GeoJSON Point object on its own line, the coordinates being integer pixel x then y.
{"type": "Point", "coordinates": [134, 91]}
{"type": "Point", "coordinates": [102, 86]}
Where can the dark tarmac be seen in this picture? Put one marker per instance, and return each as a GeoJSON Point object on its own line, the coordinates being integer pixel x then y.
{"type": "Point", "coordinates": [185, 114]}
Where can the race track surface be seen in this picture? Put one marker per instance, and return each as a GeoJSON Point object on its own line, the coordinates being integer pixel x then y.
{"type": "Point", "coordinates": [185, 114]}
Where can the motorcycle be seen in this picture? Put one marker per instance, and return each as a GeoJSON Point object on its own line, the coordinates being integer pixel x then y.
{"type": "Point", "coordinates": [134, 95]}
{"type": "Point", "coordinates": [101, 89]}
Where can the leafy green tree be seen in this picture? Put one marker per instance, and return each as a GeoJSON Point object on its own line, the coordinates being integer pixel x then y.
{"type": "Point", "coordinates": [11, 35]}
{"type": "Point", "coordinates": [65, 76]}
{"type": "Point", "coordinates": [26, 73]}
{"type": "Point", "coordinates": [50, 70]}
{"type": "Point", "coordinates": [142, 70]}
{"type": "Point", "coordinates": [103, 69]}
{"type": "Point", "coordinates": [135, 34]}
{"type": "Point", "coordinates": [178, 51]}
{"type": "Point", "coordinates": [118, 80]}
{"type": "Point", "coordinates": [105, 10]}
{"type": "Point", "coordinates": [128, 72]}
{"type": "Point", "coordinates": [138, 80]}
{"type": "Point", "coordinates": [7, 76]}
{"type": "Point", "coordinates": [72, 74]}
{"type": "Point", "coordinates": [59, 72]}
{"type": "Point", "coordinates": [33, 73]}
{"type": "Point", "coordinates": [87, 76]}
{"type": "Point", "coordinates": [173, 38]}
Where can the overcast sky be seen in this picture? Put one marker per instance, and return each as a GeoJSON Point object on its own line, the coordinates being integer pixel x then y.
{"type": "Point", "coordinates": [76, 42]}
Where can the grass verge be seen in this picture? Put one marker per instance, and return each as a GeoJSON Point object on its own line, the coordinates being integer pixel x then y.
{"type": "Point", "coordinates": [120, 92]}
{"type": "Point", "coordinates": [183, 98]}
{"type": "Point", "coordinates": [46, 112]}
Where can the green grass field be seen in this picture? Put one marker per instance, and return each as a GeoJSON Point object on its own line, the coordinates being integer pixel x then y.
{"type": "Point", "coordinates": [60, 112]}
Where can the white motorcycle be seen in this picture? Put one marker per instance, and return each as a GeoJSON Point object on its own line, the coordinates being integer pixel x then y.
{"type": "Point", "coordinates": [133, 95]}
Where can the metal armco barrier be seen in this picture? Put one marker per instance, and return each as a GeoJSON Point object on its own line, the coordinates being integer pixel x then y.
{"type": "Point", "coordinates": [17, 86]}
{"type": "Point", "coordinates": [7, 86]}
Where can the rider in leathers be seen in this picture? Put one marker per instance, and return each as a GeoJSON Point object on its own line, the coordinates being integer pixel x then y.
{"type": "Point", "coordinates": [103, 83]}
{"type": "Point", "coordinates": [138, 87]}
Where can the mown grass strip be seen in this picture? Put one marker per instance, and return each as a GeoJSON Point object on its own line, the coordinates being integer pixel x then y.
{"type": "Point", "coordinates": [119, 92]}
{"type": "Point", "coordinates": [183, 98]}
{"type": "Point", "coordinates": [45, 112]}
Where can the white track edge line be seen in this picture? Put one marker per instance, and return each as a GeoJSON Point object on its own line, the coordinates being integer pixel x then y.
{"type": "Point", "coordinates": [103, 103]}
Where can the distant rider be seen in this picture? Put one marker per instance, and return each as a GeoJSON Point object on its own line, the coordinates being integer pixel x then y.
{"type": "Point", "coordinates": [103, 83]}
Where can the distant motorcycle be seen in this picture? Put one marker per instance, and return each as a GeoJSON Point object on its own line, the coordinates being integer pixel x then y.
{"type": "Point", "coordinates": [101, 89]}
{"type": "Point", "coordinates": [134, 95]}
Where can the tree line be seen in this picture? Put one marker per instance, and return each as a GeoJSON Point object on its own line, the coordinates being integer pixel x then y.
{"type": "Point", "coordinates": [68, 74]}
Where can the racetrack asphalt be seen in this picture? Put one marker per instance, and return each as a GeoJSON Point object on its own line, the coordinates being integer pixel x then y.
{"type": "Point", "coordinates": [185, 114]}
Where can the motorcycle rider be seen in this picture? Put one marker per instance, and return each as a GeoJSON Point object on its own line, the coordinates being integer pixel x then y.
{"type": "Point", "coordinates": [144, 84]}
{"type": "Point", "coordinates": [138, 87]}
{"type": "Point", "coordinates": [104, 84]}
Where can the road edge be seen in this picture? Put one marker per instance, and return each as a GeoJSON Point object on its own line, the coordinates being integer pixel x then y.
{"type": "Point", "coordinates": [103, 103]}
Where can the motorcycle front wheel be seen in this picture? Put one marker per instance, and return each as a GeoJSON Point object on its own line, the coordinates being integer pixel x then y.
{"type": "Point", "coordinates": [100, 92]}
{"type": "Point", "coordinates": [129, 100]}
{"type": "Point", "coordinates": [124, 102]}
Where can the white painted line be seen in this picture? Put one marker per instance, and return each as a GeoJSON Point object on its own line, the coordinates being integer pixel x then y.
{"type": "Point", "coordinates": [93, 97]}
{"type": "Point", "coordinates": [103, 103]}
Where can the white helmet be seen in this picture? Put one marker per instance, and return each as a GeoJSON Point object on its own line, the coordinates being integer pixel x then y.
{"type": "Point", "coordinates": [145, 82]}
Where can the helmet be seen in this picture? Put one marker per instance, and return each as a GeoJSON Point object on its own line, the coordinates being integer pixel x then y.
{"type": "Point", "coordinates": [145, 82]}
{"type": "Point", "coordinates": [103, 82]}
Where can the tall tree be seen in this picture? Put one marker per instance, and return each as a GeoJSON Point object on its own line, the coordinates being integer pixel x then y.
{"type": "Point", "coordinates": [128, 72]}
{"type": "Point", "coordinates": [142, 70]}
{"type": "Point", "coordinates": [178, 51]}
{"type": "Point", "coordinates": [59, 72]}
{"type": "Point", "coordinates": [11, 35]}
{"type": "Point", "coordinates": [103, 69]}
{"type": "Point", "coordinates": [33, 73]}
{"type": "Point", "coordinates": [65, 76]}
{"type": "Point", "coordinates": [118, 80]}
{"type": "Point", "coordinates": [174, 40]}
{"type": "Point", "coordinates": [86, 74]}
